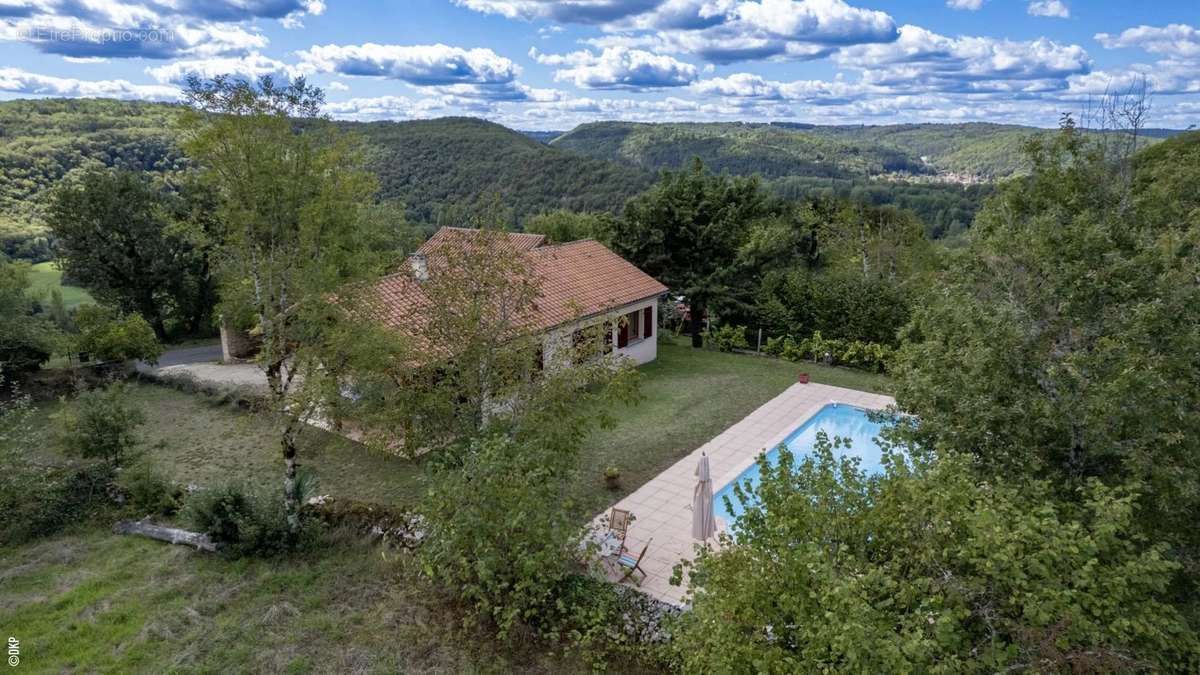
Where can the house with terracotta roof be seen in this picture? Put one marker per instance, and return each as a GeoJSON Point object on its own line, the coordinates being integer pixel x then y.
{"type": "Point", "coordinates": [579, 285]}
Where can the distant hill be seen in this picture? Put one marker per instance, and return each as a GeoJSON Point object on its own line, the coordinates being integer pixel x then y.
{"type": "Point", "coordinates": [434, 164]}
{"type": "Point", "coordinates": [543, 136]}
{"type": "Point", "coordinates": [430, 165]}
{"type": "Point", "coordinates": [770, 150]}
{"type": "Point", "coordinates": [976, 150]}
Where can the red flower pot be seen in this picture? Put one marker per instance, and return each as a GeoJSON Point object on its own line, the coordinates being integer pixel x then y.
{"type": "Point", "coordinates": [803, 379]}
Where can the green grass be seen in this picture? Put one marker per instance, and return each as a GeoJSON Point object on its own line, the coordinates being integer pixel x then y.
{"type": "Point", "coordinates": [689, 396]}
{"type": "Point", "coordinates": [93, 602]}
{"type": "Point", "coordinates": [44, 277]}
{"type": "Point", "coordinates": [196, 441]}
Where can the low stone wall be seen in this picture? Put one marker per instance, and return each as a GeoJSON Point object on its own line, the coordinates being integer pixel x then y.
{"type": "Point", "coordinates": [237, 345]}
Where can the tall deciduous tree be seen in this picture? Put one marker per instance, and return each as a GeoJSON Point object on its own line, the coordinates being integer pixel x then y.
{"type": "Point", "coordinates": [291, 232]}
{"type": "Point", "coordinates": [1063, 342]}
{"type": "Point", "coordinates": [116, 234]}
{"type": "Point", "coordinates": [686, 232]}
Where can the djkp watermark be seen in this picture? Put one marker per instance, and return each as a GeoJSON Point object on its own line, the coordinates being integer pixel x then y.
{"type": "Point", "coordinates": [14, 652]}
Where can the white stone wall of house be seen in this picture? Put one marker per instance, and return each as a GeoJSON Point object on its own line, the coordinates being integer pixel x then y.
{"type": "Point", "coordinates": [558, 341]}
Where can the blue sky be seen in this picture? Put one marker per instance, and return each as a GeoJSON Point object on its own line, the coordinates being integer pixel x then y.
{"type": "Point", "coordinates": [537, 64]}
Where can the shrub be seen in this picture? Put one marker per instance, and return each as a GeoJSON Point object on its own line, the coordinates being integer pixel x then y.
{"type": "Point", "coordinates": [601, 622]}
{"type": "Point", "coordinates": [148, 491]}
{"type": "Point", "coordinates": [108, 336]}
{"type": "Point", "coordinates": [244, 522]}
{"type": "Point", "coordinates": [38, 501]}
{"type": "Point", "coordinates": [27, 338]}
{"type": "Point", "coordinates": [871, 356]}
{"type": "Point", "coordinates": [839, 304]}
{"type": "Point", "coordinates": [774, 346]}
{"type": "Point", "coordinates": [100, 423]}
{"type": "Point", "coordinates": [502, 534]}
{"type": "Point", "coordinates": [729, 338]}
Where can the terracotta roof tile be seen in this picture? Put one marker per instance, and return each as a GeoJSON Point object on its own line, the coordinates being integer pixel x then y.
{"type": "Point", "coordinates": [578, 279]}
{"type": "Point", "coordinates": [584, 278]}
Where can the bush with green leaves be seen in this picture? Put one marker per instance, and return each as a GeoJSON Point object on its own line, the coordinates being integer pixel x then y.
{"type": "Point", "coordinates": [927, 568]}
{"type": "Point", "coordinates": [100, 423]}
{"type": "Point", "coordinates": [108, 336]}
{"type": "Point", "coordinates": [842, 305]}
{"type": "Point", "coordinates": [38, 500]}
{"type": "Point", "coordinates": [503, 535]}
{"type": "Point", "coordinates": [728, 338]}
{"type": "Point", "coordinates": [242, 521]}
{"type": "Point", "coordinates": [148, 491]}
{"type": "Point", "coordinates": [871, 356]}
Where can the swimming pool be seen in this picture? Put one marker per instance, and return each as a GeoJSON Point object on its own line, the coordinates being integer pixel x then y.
{"type": "Point", "coordinates": [837, 420]}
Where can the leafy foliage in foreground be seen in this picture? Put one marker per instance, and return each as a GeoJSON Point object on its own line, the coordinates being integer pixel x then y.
{"type": "Point", "coordinates": [1063, 343]}
{"type": "Point", "coordinates": [929, 569]}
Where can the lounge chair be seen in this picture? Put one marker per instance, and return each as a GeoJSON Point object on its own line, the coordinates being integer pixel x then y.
{"type": "Point", "coordinates": [631, 564]}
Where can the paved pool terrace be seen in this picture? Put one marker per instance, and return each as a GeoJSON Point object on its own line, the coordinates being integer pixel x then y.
{"type": "Point", "coordinates": [663, 506]}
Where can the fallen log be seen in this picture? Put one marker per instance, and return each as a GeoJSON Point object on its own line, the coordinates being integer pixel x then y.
{"type": "Point", "coordinates": [168, 534]}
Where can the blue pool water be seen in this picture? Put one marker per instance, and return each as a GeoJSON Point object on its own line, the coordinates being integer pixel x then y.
{"type": "Point", "coordinates": [837, 420]}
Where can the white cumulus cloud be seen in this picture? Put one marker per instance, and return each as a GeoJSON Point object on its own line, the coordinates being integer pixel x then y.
{"type": "Point", "coordinates": [618, 68]}
{"type": "Point", "coordinates": [924, 60]}
{"type": "Point", "coordinates": [250, 67]}
{"type": "Point", "coordinates": [1052, 8]}
{"type": "Point", "coordinates": [1177, 40]}
{"type": "Point", "coordinates": [19, 81]}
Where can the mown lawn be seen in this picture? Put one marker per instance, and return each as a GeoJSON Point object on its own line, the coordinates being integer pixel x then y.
{"type": "Point", "coordinates": [93, 602]}
{"type": "Point", "coordinates": [195, 440]}
{"type": "Point", "coordinates": [43, 277]}
{"type": "Point", "coordinates": [689, 396]}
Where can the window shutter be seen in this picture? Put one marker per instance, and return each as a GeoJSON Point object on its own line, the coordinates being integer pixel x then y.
{"type": "Point", "coordinates": [623, 336]}
{"type": "Point", "coordinates": [648, 322]}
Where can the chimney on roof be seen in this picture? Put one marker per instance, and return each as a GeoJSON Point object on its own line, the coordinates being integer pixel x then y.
{"type": "Point", "coordinates": [420, 266]}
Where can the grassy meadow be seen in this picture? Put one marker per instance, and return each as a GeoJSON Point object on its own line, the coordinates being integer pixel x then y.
{"type": "Point", "coordinates": [45, 277]}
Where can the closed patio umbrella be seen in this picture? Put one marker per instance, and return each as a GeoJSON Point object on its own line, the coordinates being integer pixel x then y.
{"type": "Point", "coordinates": [704, 523]}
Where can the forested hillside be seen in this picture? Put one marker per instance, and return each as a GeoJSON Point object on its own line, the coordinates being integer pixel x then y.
{"type": "Point", "coordinates": [429, 165]}
{"type": "Point", "coordinates": [42, 141]}
{"type": "Point", "coordinates": [434, 165]}
{"type": "Point", "coordinates": [769, 150]}
{"type": "Point", "coordinates": [982, 150]}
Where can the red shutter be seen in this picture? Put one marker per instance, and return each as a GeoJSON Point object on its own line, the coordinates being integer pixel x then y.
{"type": "Point", "coordinates": [623, 336]}
{"type": "Point", "coordinates": [648, 322]}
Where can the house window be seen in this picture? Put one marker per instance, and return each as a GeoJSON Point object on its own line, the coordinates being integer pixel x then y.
{"type": "Point", "coordinates": [634, 319]}
{"type": "Point", "coordinates": [631, 329]}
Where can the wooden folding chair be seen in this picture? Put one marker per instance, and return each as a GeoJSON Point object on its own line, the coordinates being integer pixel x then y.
{"type": "Point", "coordinates": [631, 564]}
{"type": "Point", "coordinates": [618, 524]}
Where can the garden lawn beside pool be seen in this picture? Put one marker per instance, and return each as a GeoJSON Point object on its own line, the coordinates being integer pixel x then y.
{"type": "Point", "coordinates": [44, 277]}
{"type": "Point", "coordinates": [689, 396]}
